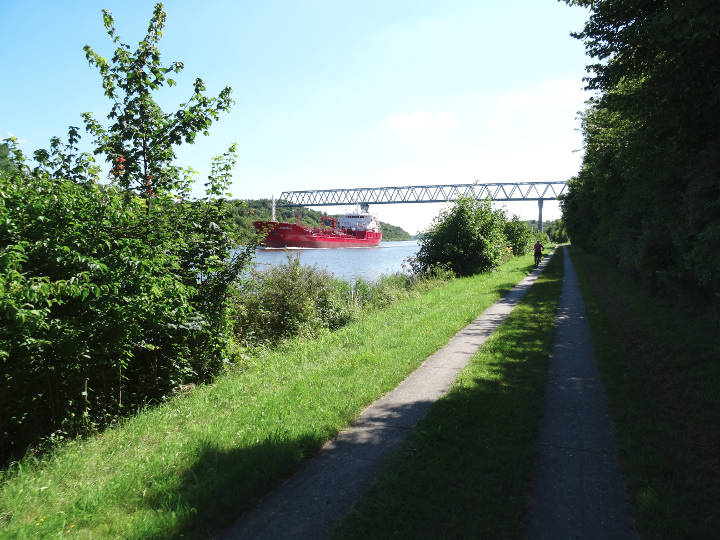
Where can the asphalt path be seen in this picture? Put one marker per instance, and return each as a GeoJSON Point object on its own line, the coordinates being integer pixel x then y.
{"type": "Point", "coordinates": [311, 502]}
{"type": "Point", "coordinates": [579, 490]}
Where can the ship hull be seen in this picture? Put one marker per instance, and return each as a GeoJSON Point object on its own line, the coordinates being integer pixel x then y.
{"type": "Point", "coordinates": [284, 235]}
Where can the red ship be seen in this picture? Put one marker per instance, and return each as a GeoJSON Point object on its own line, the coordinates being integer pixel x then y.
{"type": "Point", "coordinates": [351, 230]}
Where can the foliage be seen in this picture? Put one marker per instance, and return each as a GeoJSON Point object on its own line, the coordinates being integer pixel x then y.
{"type": "Point", "coordinates": [518, 235]}
{"type": "Point", "coordinates": [393, 232]}
{"type": "Point", "coordinates": [140, 141]}
{"type": "Point", "coordinates": [556, 231]}
{"type": "Point", "coordinates": [111, 296]}
{"type": "Point", "coordinates": [290, 300]}
{"type": "Point", "coordinates": [542, 237]}
{"type": "Point", "coordinates": [188, 466]}
{"type": "Point", "coordinates": [648, 194]}
{"type": "Point", "coordinates": [6, 163]}
{"type": "Point", "coordinates": [469, 237]}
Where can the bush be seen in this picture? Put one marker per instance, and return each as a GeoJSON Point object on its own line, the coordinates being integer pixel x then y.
{"type": "Point", "coordinates": [103, 307]}
{"type": "Point", "coordinates": [556, 232]}
{"type": "Point", "coordinates": [468, 238]}
{"type": "Point", "coordinates": [111, 296]}
{"type": "Point", "coordinates": [519, 236]}
{"type": "Point", "coordinates": [289, 300]}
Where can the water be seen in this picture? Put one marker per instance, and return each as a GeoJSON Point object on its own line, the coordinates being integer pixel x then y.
{"type": "Point", "coordinates": [348, 264]}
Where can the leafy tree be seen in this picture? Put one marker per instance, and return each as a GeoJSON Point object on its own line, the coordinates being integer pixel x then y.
{"type": "Point", "coordinates": [140, 141]}
{"type": "Point", "coordinates": [518, 235]}
{"type": "Point", "coordinates": [113, 295]}
{"type": "Point", "coordinates": [556, 231]}
{"type": "Point", "coordinates": [6, 164]}
{"type": "Point", "coordinates": [469, 238]}
{"type": "Point", "coordinates": [648, 195]}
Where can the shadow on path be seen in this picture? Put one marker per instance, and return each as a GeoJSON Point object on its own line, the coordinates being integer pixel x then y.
{"type": "Point", "coordinates": [579, 489]}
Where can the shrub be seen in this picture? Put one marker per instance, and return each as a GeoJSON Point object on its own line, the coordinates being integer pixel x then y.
{"type": "Point", "coordinates": [110, 296]}
{"type": "Point", "coordinates": [519, 236]}
{"type": "Point", "coordinates": [289, 300]}
{"type": "Point", "coordinates": [103, 307]}
{"type": "Point", "coordinates": [469, 238]}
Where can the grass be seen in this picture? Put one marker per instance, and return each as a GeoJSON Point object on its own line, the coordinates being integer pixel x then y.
{"type": "Point", "coordinates": [661, 369]}
{"type": "Point", "coordinates": [465, 472]}
{"type": "Point", "coordinates": [193, 464]}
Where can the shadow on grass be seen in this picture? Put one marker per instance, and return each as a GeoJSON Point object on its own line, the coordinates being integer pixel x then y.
{"type": "Point", "coordinates": [221, 484]}
{"type": "Point", "coordinates": [660, 365]}
{"type": "Point", "coordinates": [466, 470]}
{"type": "Point", "coordinates": [474, 447]}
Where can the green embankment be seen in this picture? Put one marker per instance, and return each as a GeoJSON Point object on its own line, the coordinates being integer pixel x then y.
{"type": "Point", "coordinates": [465, 471]}
{"type": "Point", "coordinates": [192, 465]}
{"type": "Point", "coordinates": [660, 365]}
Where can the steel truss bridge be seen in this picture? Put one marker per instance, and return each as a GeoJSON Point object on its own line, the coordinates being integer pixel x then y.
{"type": "Point", "coordinates": [436, 193]}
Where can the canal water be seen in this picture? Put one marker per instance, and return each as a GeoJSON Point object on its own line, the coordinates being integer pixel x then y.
{"type": "Point", "coordinates": [348, 264]}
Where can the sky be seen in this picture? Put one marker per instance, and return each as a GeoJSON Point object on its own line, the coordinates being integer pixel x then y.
{"type": "Point", "coordinates": [329, 93]}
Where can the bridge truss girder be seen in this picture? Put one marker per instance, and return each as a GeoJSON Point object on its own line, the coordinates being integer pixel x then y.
{"type": "Point", "coordinates": [437, 193]}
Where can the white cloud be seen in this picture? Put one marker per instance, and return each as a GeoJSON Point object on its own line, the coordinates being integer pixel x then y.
{"type": "Point", "coordinates": [420, 121]}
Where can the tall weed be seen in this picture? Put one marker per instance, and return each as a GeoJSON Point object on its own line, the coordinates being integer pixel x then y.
{"type": "Point", "coordinates": [290, 300]}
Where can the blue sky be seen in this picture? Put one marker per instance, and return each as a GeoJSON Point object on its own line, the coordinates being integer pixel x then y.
{"type": "Point", "coordinates": [329, 94]}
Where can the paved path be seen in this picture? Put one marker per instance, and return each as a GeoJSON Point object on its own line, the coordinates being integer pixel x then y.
{"type": "Point", "coordinates": [579, 490]}
{"type": "Point", "coordinates": [311, 502]}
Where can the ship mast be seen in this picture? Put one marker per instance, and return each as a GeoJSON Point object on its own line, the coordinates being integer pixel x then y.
{"type": "Point", "coordinates": [272, 211]}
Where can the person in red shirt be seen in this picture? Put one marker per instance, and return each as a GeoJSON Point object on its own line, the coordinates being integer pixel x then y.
{"type": "Point", "coordinates": [538, 252]}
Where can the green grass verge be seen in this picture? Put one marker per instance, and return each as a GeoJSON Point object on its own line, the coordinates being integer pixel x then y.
{"type": "Point", "coordinates": [661, 369]}
{"type": "Point", "coordinates": [191, 465]}
{"type": "Point", "coordinates": [466, 470]}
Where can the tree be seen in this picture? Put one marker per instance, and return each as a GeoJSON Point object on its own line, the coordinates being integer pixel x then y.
{"type": "Point", "coordinates": [140, 141]}
{"type": "Point", "coordinates": [468, 238]}
{"type": "Point", "coordinates": [113, 295]}
{"type": "Point", "coordinates": [648, 194]}
{"type": "Point", "coordinates": [556, 232]}
{"type": "Point", "coordinates": [518, 235]}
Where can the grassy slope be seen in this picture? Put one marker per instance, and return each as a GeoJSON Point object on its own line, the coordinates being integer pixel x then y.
{"type": "Point", "coordinates": [193, 464]}
{"type": "Point", "coordinates": [465, 472]}
{"type": "Point", "coordinates": [661, 369]}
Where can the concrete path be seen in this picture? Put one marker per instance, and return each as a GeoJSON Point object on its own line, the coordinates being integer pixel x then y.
{"type": "Point", "coordinates": [579, 490]}
{"type": "Point", "coordinates": [311, 502]}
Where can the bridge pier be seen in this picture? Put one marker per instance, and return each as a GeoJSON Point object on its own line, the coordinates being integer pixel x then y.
{"type": "Point", "coordinates": [365, 207]}
{"type": "Point", "coordinates": [540, 204]}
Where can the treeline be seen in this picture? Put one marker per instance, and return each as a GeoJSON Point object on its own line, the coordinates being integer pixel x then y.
{"type": "Point", "coordinates": [648, 194]}
{"type": "Point", "coordinates": [247, 211]}
{"type": "Point", "coordinates": [555, 229]}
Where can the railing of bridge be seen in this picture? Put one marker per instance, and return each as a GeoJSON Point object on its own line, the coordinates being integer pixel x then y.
{"type": "Point", "coordinates": [506, 191]}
